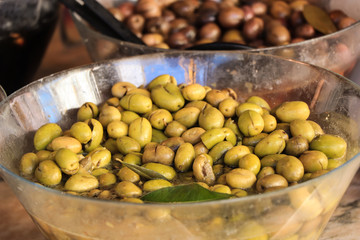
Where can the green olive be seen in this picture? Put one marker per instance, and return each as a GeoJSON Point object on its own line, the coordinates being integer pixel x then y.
{"type": "Point", "coordinates": [198, 104]}
{"type": "Point", "coordinates": [270, 181]}
{"type": "Point", "coordinates": [140, 129]}
{"type": "Point", "coordinates": [133, 158]}
{"type": "Point", "coordinates": [272, 144]}
{"type": "Point", "coordinates": [258, 101]}
{"type": "Point", "coordinates": [230, 135]}
{"type": "Point", "coordinates": [174, 129]}
{"type": "Point", "coordinates": [87, 111]}
{"type": "Point", "coordinates": [333, 146]}
{"type": "Point", "coordinates": [233, 155]}
{"type": "Point", "coordinates": [160, 118]}
{"type": "Point", "coordinates": [120, 89]}
{"type": "Point", "coordinates": [215, 96]}
{"type": "Point", "coordinates": [285, 127]}
{"type": "Point", "coordinates": [117, 128]}
{"type": "Point", "coordinates": [187, 116]}
{"type": "Point", "coordinates": [81, 182]}
{"type": "Point", "coordinates": [100, 157]}
{"type": "Point", "coordinates": [167, 171]}
{"type": "Point", "coordinates": [109, 114]}
{"type": "Point", "coordinates": [97, 134]}
{"type": "Point", "coordinates": [202, 168]}
{"type": "Point", "coordinates": [218, 151]}
{"type": "Point", "coordinates": [250, 162]}
{"type": "Point", "coordinates": [230, 123]}
{"type": "Point", "coordinates": [157, 153]}
{"type": "Point", "coordinates": [290, 168]}
{"type": "Point", "coordinates": [28, 163]}
{"type": "Point", "coordinates": [81, 131]}
{"type": "Point", "coordinates": [48, 173]}
{"type": "Point", "coordinates": [158, 136]}
{"type": "Point", "coordinates": [248, 106]}
{"type": "Point", "coordinates": [45, 134]}
{"type": "Point", "coordinates": [99, 171]}
{"type": "Point", "coordinates": [314, 160]}
{"type": "Point", "coordinates": [161, 80]}
{"type": "Point", "coordinates": [137, 103]}
{"type": "Point", "coordinates": [184, 157]}
{"type": "Point", "coordinates": [128, 116]}
{"type": "Point", "coordinates": [271, 160]}
{"type": "Point", "coordinates": [252, 141]}
{"type": "Point", "coordinates": [141, 91]}
{"type": "Point", "coordinates": [220, 188]}
{"type": "Point", "coordinates": [210, 118]}
{"type": "Point", "coordinates": [228, 107]}
{"type": "Point", "coordinates": [299, 127]}
{"type": "Point", "coordinates": [107, 180]}
{"type": "Point", "coordinates": [126, 174]}
{"type": "Point", "coordinates": [250, 123]}
{"type": "Point", "coordinates": [67, 160]}
{"type": "Point", "coordinates": [296, 146]}
{"type": "Point", "coordinates": [173, 143]}
{"type": "Point", "coordinates": [200, 149]}
{"type": "Point", "coordinates": [289, 111]}
{"type": "Point", "coordinates": [317, 128]}
{"type": "Point", "coordinates": [127, 145]}
{"type": "Point", "coordinates": [193, 92]}
{"type": "Point", "coordinates": [240, 178]}
{"type": "Point", "coordinates": [65, 142]}
{"type": "Point", "coordinates": [212, 137]}
{"type": "Point", "coordinates": [265, 171]}
{"type": "Point", "coordinates": [168, 97]}
{"type": "Point", "coordinates": [155, 184]}
{"type": "Point", "coordinates": [270, 123]}
{"type": "Point", "coordinates": [193, 135]}
{"type": "Point", "coordinates": [44, 155]}
{"type": "Point", "coordinates": [111, 145]}
{"type": "Point", "coordinates": [127, 189]}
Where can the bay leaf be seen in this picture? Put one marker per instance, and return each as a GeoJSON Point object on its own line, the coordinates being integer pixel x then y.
{"type": "Point", "coordinates": [142, 171]}
{"type": "Point", "coordinates": [319, 19]}
{"type": "Point", "coordinates": [184, 193]}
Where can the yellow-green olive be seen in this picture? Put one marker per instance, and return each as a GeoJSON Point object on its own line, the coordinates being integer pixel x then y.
{"type": "Point", "coordinates": [230, 123]}
{"type": "Point", "coordinates": [218, 151]}
{"type": "Point", "coordinates": [81, 131]}
{"type": "Point", "coordinates": [272, 144]}
{"type": "Point", "coordinates": [133, 158]}
{"type": "Point", "coordinates": [174, 129]}
{"type": "Point", "coordinates": [215, 96]}
{"type": "Point", "coordinates": [158, 136]}
{"type": "Point", "coordinates": [44, 155]}
{"type": "Point", "coordinates": [240, 178]}
{"type": "Point", "coordinates": [248, 106]}
{"type": "Point", "coordinates": [317, 128]}
{"type": "Point", "coordinates": [168, 97]}
{"type": "Point", "coordinates": [300, 127]}
{"type": "Point", "coordinates": [127, 145]}
{"type": "Point", "coordinates": [265, 171]}
{"type": "Point", "coordinates": [100, 157]}
{"type": "Point", "coordinates": [250, 123]}
{"type": "Point", "coordinates": [237, 192]}
{"type": "Point", "coordinates": [193, 92]}
{"type": "Point", "coordinates": [198, 104]}
{"type": "Point", "coordinates": [296, 146]}
{"type": "Point", "coordinates": [111, 145]}
{"type": "Point", "coordinates": [127, 189]}
{"type": "Point", "coordinates": [107, 180]}
{"type": "Point", "coordinates": [87, 111]}
{"type": "Point", "coordinates": [126, 174]}
{"type": "Point", "coordinates": [289, 111]}
{"type": "Point", "coordinates": [250, 162]}
{"type": "Point", "coordinates": [128, 116]}
{"type": "Point", "coordinates": [252, 141]}
{"type": "Point", "coordinates": [258, 101]}
{"type": "Point", "coordinates": [284, 126]}
{"type": "Point", "coordinates": [200, 149]}
{"type": "Point", "coordinates": [157, 153]}
{"type": "Point", "coordinates": [173, 143]}
{"type": "Point", "coordinates": [109, 114]}
{"type": "Point", "coordinates": [230, 136]}
{"type": "Point", "coordinates": [137, 103]}
{"type": "Point", "coordinates": [193, 135]}
{"type": "Point", "coordinates": [141, 91]}
{"type": "Point", "coordinates": [233, 155]}
{"type": "Point", "coordinates": [120, 89]}
{"type": "Point", "coordinates": [184, 157]}
{"type": "Point", "coordinates": [187, 116]}
{"type": "Point", "coordinates": [271, 160]}
{"type": "Point", "coordinates": [65, 142]}
{"type": "Point", "coordinates": [160, 118]}
{"type": "Point", "coordinates": [220, 188]}
{"type": "Point", "coordinates": [212, 137]}
{"type": "Point", "coordinates": [117, 128]}
{"type": "Point", "coordinates": [28, 163]}
{"type": "Point", "coordinates": [155, 184]}
{"type": "Point", "coordinates": [97, 134]}
{"type": "Point", "coordinates": [270, 123]}
{"type": "Point", "coordinates": [45, 134]}
{"type": "Point", "coordinates": [314, 160]}
{"type": "Point", "coordinates": [270, 181]}
{"type": "Point", "coordinates": [290, 168]}
{"type": "Point", "coordinates": [140, 129]}
{"type": "Point", "coordinates": [167, 171]}
{"type": "Point", "coordinates": [161, 80]}
{"type": "Point", "coordinates": [333, 146]}
{"type": "Point", "coordinates": [67, 160]}
{"type": "Point", "coordinates": [81, 182]}
{"type": "Point", "coordinates": [48, 173]}
{"type": "Point", "coordinates": [202, 168]}
{"type": "Point", "coordinates": [99, 171]}
{"type": "Point", "coordinates": [228, 106]}
{"type": "Point", "coordinates": [210, 118]}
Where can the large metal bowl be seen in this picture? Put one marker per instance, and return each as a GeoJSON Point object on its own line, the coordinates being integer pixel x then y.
{"type": "Point", "coordinates": [339, 51]}
{"type": "Point", "coordinates": [297, 212]}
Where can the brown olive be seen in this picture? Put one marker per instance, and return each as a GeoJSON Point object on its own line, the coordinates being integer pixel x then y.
{"type": "Point", "coordinates": [231, 17]}
{"type": "Point", "coordinates": [259, 8]}
{"type": "Point", "coordinates": [278, 35]}
{"type": "Point", "coordinates": [346, 22]}
{"type": "Point", "coordinates": [336, 16]}
{"type": "Point", "coordinates": [157, 25]}
{"type": "Point", "coordinates": [168, 15]}
{"type": "Point", "coordinates": [296, 18]}
{"type": "Point", "coordinates": [206, 15]}
{"type": "Point", "coordinates": [184, 9]}
{"type": "Point", "coordinates": [178, 24]}
{"type": "Point", "coordinates": [280, 9]}
{"type": "Point", "coordinates": [116, 12]}
{"type": "Point", "coordinates": [148, 8]}
{"type": "Point", "coordinates": [189, 32]}
{"type": "Point", "coordinates": [253, 28]}
{"type": "Point", "coordinates": [135, 23]}
{"type": "Point", "coordinates": [305, 31]}
{"type": "Point", "coordinates": [248, 13]}
{"type": "Point", "coordinates": [210, 31]}
{"type": "Point", "coordinates": [126, 9]}
{"type": "Point", "coordinates": [233, 35]}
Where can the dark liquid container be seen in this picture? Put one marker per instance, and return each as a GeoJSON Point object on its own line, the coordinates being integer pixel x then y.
{"type": "Point", "coordinates": [21, 51]}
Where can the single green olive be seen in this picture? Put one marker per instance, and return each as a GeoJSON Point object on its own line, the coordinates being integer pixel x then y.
{"type": "Point", "coordinates": [193, 135]}
{"type": "Point", "coordinates": [290, 168]}
{"type": "Point", "coordinates": [271, 181]}
{"type": "Point", "coordinates": [296, 146]}
{"type": "Point", "coordinates": [317, 128]}
{"type": "Point", "coordinates": [109, 114]}
{"type": "Point", "coordinates": [271, 160]}
{"type": "Point", "coordinates": [81, 182]}
{"type": "Point", "coordinates": [87, 111]}
{"type": "Point", "coordinates": [133, 158]}
{"type": "Point", "coordinates": [198, 104]}
{"type": "Point", "coordinates": [252, 141]}
{"type": "Point", "coordinates": [333, 146]}
{"type": "Point", "coordinates": [127, 189]}
{"type": "Point", "coordinates": [100, 157]}
{"type": "Point", "coordinates": [230, 123]}
{"type": "Point", "coordinates": [314, 160]}
{"type": "Point", "coordinates": [67, 160]}
{"type": "Point", "coordinates": [300, 127]}
{"type": "Point", "coordinates": [28, 163]}
{"type": "Point", "coordinates": [128, 116]}
{"type": "Point", "coordinates": [220, 188]}
{"type": "Point", "coordinates": [174, 129]}
{"type": "Point", "coordinates": [45, 134]}
{"type": "Point", "coordinates": [258, 101]}
{"type": "Point", "coordinates": [107, 180]}
{"type": "Point", "coordinates": [126, 174]}
{"type": "Point", "coordinates": [48, 173]}
{"type": "Point", "coordinates": [250, 162]}
{"type": "Point", "coordinates": [156, 184]}
{"type": "Point", "coordinates": [210, 118]}
{"type": "Point", "coordinates": [44, 155]}
{"type": "Point", "coordinates": [120, 89]}
{"type": "Point", "coordinates": [137, 103]}
{"type": "Point", "coordinates": [158, 136]}
{"type": "Point", "coordinates": [161, 80]}
{"type": "Point", "coordinates": [202, 168]}
{"type": "Point", "coordinates": [127, 145]}
{"type": "Point", "coordinates": [215, 96]}
{"type": "Point", "coordinates": [218, 151]}
{"type": "Point", "coordinates": [184, 157]}
{"type": "Point", "coordinates": [212, 137]}
{"type": "Point", "coordinates": [265, 171]}
{"type": "Point", "coordinates": [117, 128]}
{"type": "Point", "coordinates": [160, 118]}
{"type": "Point", "coordinates": [168, 97]}
{"type": "Point", "coordinates": [167, 171]}
{"type": "Point", "coordinates": [240, 178]}
{"type": "Point", "coordinates": [193, 92]}
{"type": "Point", "coordinates": [228, 107]}
{"type": "Point", "coordinates": [250, 123]}
{"type": "Point", "coordinates": [243, 107]}
{"type": "Point", "coordinates": [157, 153]}
{"type": "Point", "coordinates": [140, 129]}
{"type": "Point", "coordinates": [97, 134]}
{"type": "Point", "coordinates": [81, 131]}
{"type": "Point", "coordinates": [272, 144]}
{"type": "Point", "coordinates": [187, 116]}
{"type": "Point", "coordinates": [233, 155]}
{"type": "Point", "coordinates": [65, 142]}
{"type": "Point", "coordinates": [289, 111]}
{"type": "Point", "coordinates": [270, 123]}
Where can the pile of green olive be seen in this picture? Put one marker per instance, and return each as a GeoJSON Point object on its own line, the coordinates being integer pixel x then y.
{"type": "Point", "coordinates": [186, 133]}
{"type": "Point", "coordinates": [178, 24]}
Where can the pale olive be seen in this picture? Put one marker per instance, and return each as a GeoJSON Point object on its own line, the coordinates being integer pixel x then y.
{"type": "Point", "coordinates": [137, 103]}
{"type": "Point", "coordinates": [198, 104]}
{"type": "Point", "coordinates": [140, 129]}
{"type": "Point", "coordinates": [210, 118]}
{"type": "Point", "coordinates": [248, 106]}
{"type": "Point", "coordinates": [161, 80]}
{"type": "Point", "coordinates": [216, 96]}
{"type": "Point", "coordinates": [100, 157]}
{"type": "Point", "coordinates": [218, 151]}
{"type": "Point", "coordinates": [120, 89]}
{"type": "Point", "coordinates": [109, 114]}
{"type": "Point", "coordinates": [28, 163]}
{"type": "Point", "coordinates": [127, 145]}
{"type": "Point", "coordinates": [107, 180]}
{"type": "Point", "coordinates": [127, 189]}
{"type": "Point", "coordinates": [81, 131]}
{"type": "Point", "coordinates": [87, 111]}
{"type": "Point", "coordinates": [200, 149]}
{"type": "Point", "coordinates": [270, 181]}
{"type": "Point", "coordinates": [270, 123]}
{"type": "Point", "coordinates": [160, 118]}
{"type": "Point", "coordinates": [133, 158]}
{"type": "Point", "coordinates": [240, 178]}
{"type": "Point", "coordinates": [212, 137]}
{"type": "Point", "coordinates": [81, 182]}
{"type": "Point", "coordinates": [317, 128]}
{"type": "Point", "coordinates": [117, 128]}
{"type": "Point", "coordinates": [156, 184]}
{"type": "Point", "coordinates": [128, 116]}
{"type": "Point", "coordinates": [230, 123]}
{"type": "Point", "coordinates": [192, 135]}
{"type": "Point", "coordinates": [252, 141]}
{"type": "Point", "coordinates": [193, 92]}
{"type": "Point", "coordinates": [67, 160]}
{"type": "Point", "coordinates": [126, 174]}
{"type": "Point", "coordinates": [99, 171]}
{"type": "Point", "coordinates": [250, 162]}
{"type": "Point", "coordinates": [265, 171]}
{"type": "Point", "coordinates": [228, 107]}
{"type": "Point", "coordinates": [45, 134]}
{"type": "Point", "coordinates": [158, 136]}
{"type": "Point", "coordinates": [233, 155]}
{"type": "Point", "coordinates": [202, 168]}
{"type": "Point", "coordinates": [220, 188]}
{"type": "Point", "coordinates": [290, 168]}
{"type": "Point", "coordinates": [271, 160]}
{"type": "Point", "coordinates": [167, 171]}
{"type": "Point", "coordinates": [157, 153]}
{"type": "Point", "coordinates": [97, 134]}
{"type": "Point", "coordinates": [65, 142]}
{"type": "Point", "coordinates": [187, 116]}
{"type": "Point", "coordinates": [259, 101]}
{"type": "Point", "coordinates": [184, 157]}
{"type": "Point", "coordinates": [175, 129]}
{"type": "Point", "coordinates": [48, 173]}
{"type": "Point", "coordinates": [173, 143]}
{"type": "Point", "coordinates": [271, 144]}
{"type": "Point", "coordinates": [44, 155]}
{"type": "Point", "coordinates": [299, 127]}
{"type": "Point", "coordinates": [289, 111]}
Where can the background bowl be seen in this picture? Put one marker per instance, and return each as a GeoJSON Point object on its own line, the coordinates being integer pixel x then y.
{"type": "Point", "coordinates": [298, 211]}
{"type": "Point", "coordinates": [338, 52]}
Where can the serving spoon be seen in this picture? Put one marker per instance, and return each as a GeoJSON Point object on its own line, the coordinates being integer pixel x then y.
{"type": "Point", "coordinates": [103, 21]}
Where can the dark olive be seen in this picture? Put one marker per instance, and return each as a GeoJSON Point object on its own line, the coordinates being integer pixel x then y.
{"type": "Point", "coordinates": [336, 16]}
{"type": "Point", "coordinates": [296, 18]}
{"type": "Point", "coordinates": [206, 15]}
{"type": "Point", "coordinates": [148, 8]}
{"type": "Point", "coordinates": [253, 28]}
{"type": "Point", "coordinates": [183, 9]}
{"type": "Point", "coordinates": [178, 40]}
{"type": "Point", "coordinates": [135, 23]}
{"type": "Point", "coordinates": [305, 31]}
{"type": "Point", "coordinates": [210, 31]}
{"type": "Point", "coordinates": [157, 25]}
{"type": "Point", "coordinates": [248, 13]}
{"type": "Point", "coordinates": [127, 9]}
{"type": "Point", "coordinates": [168, 15]}
{"type": "Point", "coordinates": [231, 17]}
{"type": "Point", "coordinates": [259, 8]}
{"type": "Point", "coordinates": [278, 35]}
{"type": "Point", "coordinates": [178, 24]}
{"type": "Point", "coordinates": [280, 9]}
{"type": "Point", "coordinates": [189, 32]}
{"type": "Point", "coordinates": [346, 22]}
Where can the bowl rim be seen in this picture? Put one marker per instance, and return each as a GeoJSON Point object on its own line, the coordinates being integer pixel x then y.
{"type": "Point", "coordinates": [255, 197]}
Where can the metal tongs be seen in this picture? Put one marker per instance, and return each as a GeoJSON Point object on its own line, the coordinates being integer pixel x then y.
{"type": "Point", "coordinates": [103, 21]}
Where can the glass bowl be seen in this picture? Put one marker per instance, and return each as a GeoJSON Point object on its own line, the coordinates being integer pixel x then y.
{"type": "Point", "coordinates": [300, 210]}
{"type": "Point", "coordinates": [339, 51]}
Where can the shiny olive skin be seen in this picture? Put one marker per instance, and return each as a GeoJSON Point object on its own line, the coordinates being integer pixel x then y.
{"type": "Point", "coordinates": [175, 129]}
{"type": "Point", "coordinates": [250, 123]}
{"type": "Point", "coordinates": [48, 173]}
{"type": "Point", "coordinates": [28, 163]}
{"type": "Point", "coordinates": [81, 131]}
{"type": "Point", "coordinates": [120, 89]}
{"type": "Point", "coordinates": [296, 146]}
{"type": "Point", "coordinates": [218, 151]}
{"type": "Point", "coordinates": [109, 114]}
{"type": "Point", "coordinates": [167, 171]}
{"type": "Point", "coordinates": [290, 168]}
{"type": "Point", "coordinates": [289, 111]}
{"type": "Point", "coordinates": [160, 118]}
{"type": "Point", "coordinates": [193, 92]}
{"type": "Point", "coordinates": [333, 146]}
{"type": "Point", "coordinates": [127, 145]}
{"type": "Point", "coordinates": [127, 189]}
{"type": "Point", "coordinates": [187, 116]}
{"type": "Point", "coordinates": [184, 157]}
{"type": "Point", "coordinates": [272, 144]}
{"type": "Point", "coordinates": [240, 178]}
{"type": "Point", "coordinates": [81, 182]}
{"type": "Point", "coordinates": [192, 135]}
{"type": "Point", "coordinates": [168, 97]}
{"type": "Point", "coordinates": [303, 128]}
{"type": "Point", "coordinates": [210, 117]}
{"type": "Point", "coordinates": [87, 111]}
{"type": "Point", "coordinates": [140, 129]}
{"type": "Point", "coordinates": [314, 160]}
{"type": "Point", "coordinates": [270, 181]}
{"type": "Point", "coordinates": [67, 160]}
{"type": "Point", "coordinates": [156, 184]}
{"type": "Point", "coordinates": [137, 103]}
{"type": "Point", "coordinates": [45, 134]}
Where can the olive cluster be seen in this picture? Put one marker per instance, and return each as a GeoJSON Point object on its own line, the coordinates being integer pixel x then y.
{"type": "Point", "coordinates": [186, 133]}
{"type": "Point", "coordinates": [184, 23]}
